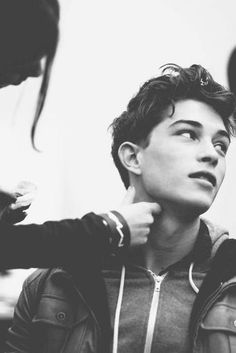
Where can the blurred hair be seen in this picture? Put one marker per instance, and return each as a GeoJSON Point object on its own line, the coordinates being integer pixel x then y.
{"type": "Point", "coordinates": [29, 32]}
{"type": "Point", "coordinates": [145, 110]}
{"type": "Point", "coordinates": [231, 71]}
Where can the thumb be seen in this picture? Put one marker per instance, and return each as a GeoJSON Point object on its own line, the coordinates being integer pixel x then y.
{"type": "Point", "coordinates": [129, 196]}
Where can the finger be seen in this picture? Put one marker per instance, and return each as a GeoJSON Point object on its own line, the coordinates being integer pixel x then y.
{"type": "Point", "coordinates": [16, 206]}
{"type": "Point", "coordinates": [25, 198]}
{"type": "Point", "coordinates": [19, 208]}
{"type": "Point", "coordinates": [155, 208]}
{"type": "Point", "coordinates": [23, 201]}
{"type": "Point", "coordinates": [129, 196]}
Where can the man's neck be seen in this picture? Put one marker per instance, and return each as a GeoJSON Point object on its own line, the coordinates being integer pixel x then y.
{"type": "Point", "coordinates": [170, 239]}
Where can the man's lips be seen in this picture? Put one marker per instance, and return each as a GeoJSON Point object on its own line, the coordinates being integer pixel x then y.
{"type": "Point", "coordinates": [205, 176]}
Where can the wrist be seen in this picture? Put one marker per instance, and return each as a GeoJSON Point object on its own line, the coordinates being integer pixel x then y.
{"type": "Point", "coordinates": [119, 233]}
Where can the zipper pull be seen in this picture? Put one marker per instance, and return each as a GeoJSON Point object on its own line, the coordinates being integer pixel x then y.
{"type": "Point", "coordinates": [157, 280]}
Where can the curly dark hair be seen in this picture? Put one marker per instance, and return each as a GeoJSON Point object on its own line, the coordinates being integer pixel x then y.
{"type": "Point", "coordinates": [145, 109]}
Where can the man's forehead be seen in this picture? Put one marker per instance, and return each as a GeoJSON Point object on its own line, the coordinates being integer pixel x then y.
{"type": "Point", "coordinates": [195, 113]}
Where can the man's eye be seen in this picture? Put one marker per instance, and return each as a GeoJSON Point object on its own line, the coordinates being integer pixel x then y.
{"type": "Point", "coordinates": [221, 146]}
{"type": "Point", "coordinates": [188, 134]}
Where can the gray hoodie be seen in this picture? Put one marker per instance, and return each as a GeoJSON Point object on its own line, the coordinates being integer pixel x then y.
{"type": "Point", "coordinates": [150, 313]}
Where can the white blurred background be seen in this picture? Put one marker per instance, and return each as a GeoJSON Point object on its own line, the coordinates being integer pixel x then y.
{"type": "Point", "coordinates": [107, 50]}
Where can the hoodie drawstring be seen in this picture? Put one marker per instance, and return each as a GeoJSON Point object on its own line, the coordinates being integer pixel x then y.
{"type": "Point", "coordinates": [118, 310]}
{"type": "Point", "coordinates": [190, 278]}
{"type": "Point", "coordinates": [120, 297]}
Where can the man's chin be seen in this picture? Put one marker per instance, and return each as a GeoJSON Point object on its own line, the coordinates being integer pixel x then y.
{"type": "Point", "coordinates": [196, 208]}
{"type": "Point", "coordinates": [189, 208]}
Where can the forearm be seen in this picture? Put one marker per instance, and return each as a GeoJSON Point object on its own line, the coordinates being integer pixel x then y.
{"type": "Point", "coordinates": [71, 243]}
{"type": "Point", "coordinates": [55, 243]}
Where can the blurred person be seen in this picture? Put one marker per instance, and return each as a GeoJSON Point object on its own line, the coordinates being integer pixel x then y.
{"type": "Point", "coordinates": [175, 292]}
{"type": "Point", "coordinates": [29, 32]}
{"type": "Point", "coordinates": [231, 71]}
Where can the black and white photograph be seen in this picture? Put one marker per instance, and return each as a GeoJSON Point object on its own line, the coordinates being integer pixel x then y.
{"type": "Point", "coordinates": [118, 176]}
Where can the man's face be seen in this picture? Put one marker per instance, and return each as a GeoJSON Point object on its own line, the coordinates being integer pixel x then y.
{"type": "Point", "coordinates": [183, 165]}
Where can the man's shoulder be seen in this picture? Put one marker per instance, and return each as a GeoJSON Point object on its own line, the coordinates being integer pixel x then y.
{"type": "Point", "coordinates": [223, 252]}
{"type": "Point", "coordinates": [224, 262]}
{"type": "Point", "coordinates": [218, 234]}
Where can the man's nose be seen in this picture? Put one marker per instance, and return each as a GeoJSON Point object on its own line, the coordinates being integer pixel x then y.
{"type": "Point", "coordinates": [208, 154]}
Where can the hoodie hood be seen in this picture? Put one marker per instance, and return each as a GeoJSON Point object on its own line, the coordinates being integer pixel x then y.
{"type": "Point", "coordinates": [217, 233]}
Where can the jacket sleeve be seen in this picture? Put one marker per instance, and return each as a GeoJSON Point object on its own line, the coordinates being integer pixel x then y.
{"type": "Point", "coordinates": [20, 335]}
{"type": "Point", "coordinates": [52, 244]}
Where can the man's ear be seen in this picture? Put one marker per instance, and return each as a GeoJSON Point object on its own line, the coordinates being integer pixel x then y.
{"type": "Point", "coordinates": [129, 157]}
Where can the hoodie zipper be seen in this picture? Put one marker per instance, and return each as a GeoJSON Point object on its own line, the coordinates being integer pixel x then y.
{"type": "Point", "coordinates": [153, 310]}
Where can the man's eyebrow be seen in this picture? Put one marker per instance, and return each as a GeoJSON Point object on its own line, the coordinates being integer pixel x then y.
{"type": "Point", "coordinates": [195, 123]}
{"type": "Point", "coordinates": [224, 133]}
{"type": "Point", "coordinates": [189, 122]}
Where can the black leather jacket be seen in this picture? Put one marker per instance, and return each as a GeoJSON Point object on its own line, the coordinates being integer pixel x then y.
{"type": "Point", "coordinates": [52, 315]}
{"type": "Point", "coordinates": [67, 311]}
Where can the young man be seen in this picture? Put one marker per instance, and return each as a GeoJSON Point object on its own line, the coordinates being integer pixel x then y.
{"type": "Point", "coordinates": [170, 145]}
